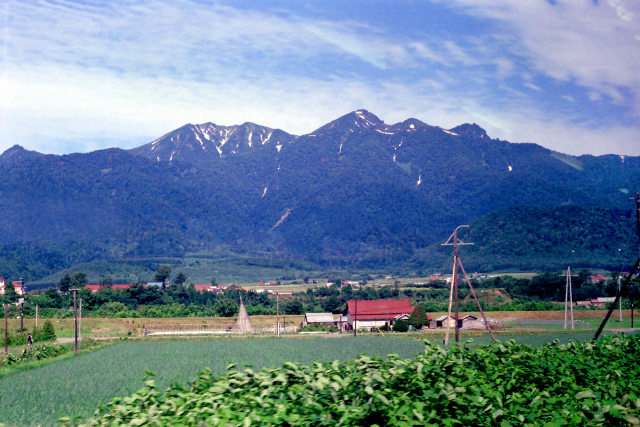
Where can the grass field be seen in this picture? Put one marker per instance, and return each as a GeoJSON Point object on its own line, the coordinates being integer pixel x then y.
{"type": "Point", "coordinates": [76, 386]}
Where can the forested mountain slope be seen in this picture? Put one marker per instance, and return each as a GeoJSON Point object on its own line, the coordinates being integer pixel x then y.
{"type": "Point", "coordinates": [355, 192]}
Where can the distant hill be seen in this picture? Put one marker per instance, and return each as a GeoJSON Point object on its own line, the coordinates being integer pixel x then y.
{"type": "Point", "coordinates": [355, 193]}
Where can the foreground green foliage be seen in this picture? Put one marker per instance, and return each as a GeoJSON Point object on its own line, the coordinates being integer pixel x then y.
{"type": "Point", "coordinates": [591, 383]}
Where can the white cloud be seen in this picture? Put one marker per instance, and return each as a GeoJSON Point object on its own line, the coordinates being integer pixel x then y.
{"type": "Point", "coordinates": [590, 43]}
{"type": "Point", "coordinates": [532, 86]}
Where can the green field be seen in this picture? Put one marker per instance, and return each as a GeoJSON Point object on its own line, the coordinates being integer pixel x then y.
{"type": "Point", "coordinates": [78, 385]}
{"type": "Point", "coordinates": [589, 383]}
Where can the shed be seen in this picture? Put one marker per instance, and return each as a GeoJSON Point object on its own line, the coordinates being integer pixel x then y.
{"type": "Point", "coordinates": [325, 319]}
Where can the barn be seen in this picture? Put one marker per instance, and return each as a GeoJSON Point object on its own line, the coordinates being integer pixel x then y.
{"type": "Point", "coordinates": [376, 313]}
{"type": "Point", "coordinates": [324, 319]}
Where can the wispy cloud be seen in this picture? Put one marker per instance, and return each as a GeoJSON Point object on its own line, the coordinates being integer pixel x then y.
{"type": "Point", "coordinates": [79, 76]}
{"type": "Point", "coordinates": [592, 43]}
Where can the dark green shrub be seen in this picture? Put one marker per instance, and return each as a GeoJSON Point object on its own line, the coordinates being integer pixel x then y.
{"type": "Point", "coordinates": [318, 328]}
{"type": "Point", "coordinates": [46, 333]}
{"type": "Point", "coordinates": [400, 326]}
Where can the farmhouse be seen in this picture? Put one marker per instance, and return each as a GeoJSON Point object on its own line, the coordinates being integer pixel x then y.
{"type": "Point", "coordinates": [18, 285]}
{"type": "Point", "coordinates": [377, 313]}
{"type": "Point", "coordinates": [324, 319]}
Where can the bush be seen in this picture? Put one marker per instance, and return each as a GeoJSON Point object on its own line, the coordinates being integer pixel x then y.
{"type": "Point", "coordinates": [46, 333]}
{"type": "Point", "coordinates": [318, 328]}
{"type": "Point", "coordinates": [400, 326]}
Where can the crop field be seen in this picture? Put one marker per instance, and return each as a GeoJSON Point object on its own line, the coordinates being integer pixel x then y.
{"type": "Point", "coordinates": [590, 383]}
{"type": "Point", "coordinates": [76, 386]}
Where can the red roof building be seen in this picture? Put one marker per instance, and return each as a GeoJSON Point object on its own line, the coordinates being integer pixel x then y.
{"type": "Point", "coordinates": [376, 313]}
{"type": "Point", "coordinates": [96, 288]}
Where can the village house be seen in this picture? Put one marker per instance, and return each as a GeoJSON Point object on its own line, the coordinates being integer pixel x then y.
{"type": "Point", "coordinates": [377, 313]}
{"type": "Point", "coordinates": [18, 285]}
{"type": "Point", "coordinates": [599, 302]}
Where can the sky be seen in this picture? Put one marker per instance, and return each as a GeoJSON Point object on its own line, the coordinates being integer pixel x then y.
{"type": "Point", "coordinates": [77, 76]}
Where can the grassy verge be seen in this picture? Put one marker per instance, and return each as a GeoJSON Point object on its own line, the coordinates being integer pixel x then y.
{"type": "Point", "coordinates": [67, 353]}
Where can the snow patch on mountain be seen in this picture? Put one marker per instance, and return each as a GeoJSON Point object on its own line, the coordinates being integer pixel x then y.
{"type": "Point", "coordinates": [282, 218]}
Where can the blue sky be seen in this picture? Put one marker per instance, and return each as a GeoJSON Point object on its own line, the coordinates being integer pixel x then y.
{"type": "Point", "coordinates": [79, 76]}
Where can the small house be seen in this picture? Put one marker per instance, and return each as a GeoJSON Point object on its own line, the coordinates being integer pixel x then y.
{"type": "Point", "coordinates": [441, 322]}
{"type": "Point", "coordinates": [468, 321]}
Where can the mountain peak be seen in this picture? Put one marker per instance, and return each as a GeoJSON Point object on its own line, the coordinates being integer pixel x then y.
{"type": "Point", "coordinates": [17, 153]}
{"type": "Point", "coordinates": [354, 121]}
{"type": "Point", "coordinates": [206, 141]}
{"type": "Point", "coordinates": [471, 130]}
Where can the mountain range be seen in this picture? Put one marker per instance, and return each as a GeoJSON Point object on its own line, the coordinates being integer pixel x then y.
{"type": "Point", "coordinates": [354, 193]}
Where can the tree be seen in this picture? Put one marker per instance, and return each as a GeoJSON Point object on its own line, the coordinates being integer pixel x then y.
{"type": "Point", "coordinates": [225, 307]}
{"type": "Point", "coordinates": [65, 283]}
{"type": "Point", "coordinates": [10, 293]}
{"type": "Point", "coordinates": [106, 280]}
{"type": "Point", "coordinates": [180, 279]}
{"type": "Point", "coordinates": [293, 307]}
{"type": "Point", "coordinates": [332, 304]}
{"type": "Point", "coordinates": [163, 273]}
{"type": "Point", "coordinates": [418, 318]}
{"type": "Point", "coordinates": [78, 280]}
{"type": "Point", "coordinates": [213, 282]}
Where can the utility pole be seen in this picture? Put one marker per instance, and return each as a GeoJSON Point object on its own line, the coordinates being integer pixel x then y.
{"type": "Point", "coordinates": [625, 285]}
{"type": "Point", "coordinates": [6, 329]}
{"type": "Point", "coordinates": [21, 302]}
{"type": "Point", "coordinates": [355, 313]}
{"type": "Point", "coordinates": [75, 321]}
{"type": "Point", "coordinates": [36, 315]}
{"type": "Point", "coordinates": [80, 326]}
{"type": "Point", "coordinates": [277, 314]}
{"type": "Point", "coordinates": [620, 308]}
{"type": "Point", "coordinates": [568, 296]}
{"type": "Point", "coordinates": [453, 292]}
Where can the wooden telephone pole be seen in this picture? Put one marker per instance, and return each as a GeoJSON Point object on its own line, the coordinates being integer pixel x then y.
{"type": "Point", "coordinates": [6, 329]}
{"type": "Point", "coordinates": [277, 314]}
{"type": "Point", "coordinates": [453, 293]}
{"type": "Point", "coordinates": [75, 321]}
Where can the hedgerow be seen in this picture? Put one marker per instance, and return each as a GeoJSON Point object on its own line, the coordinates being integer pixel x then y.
{"type": "Point", "coordinates": [591, 383]}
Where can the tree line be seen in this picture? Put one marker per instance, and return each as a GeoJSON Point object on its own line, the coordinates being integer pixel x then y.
{"type": "Point", "coordinates": [179, 299]}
